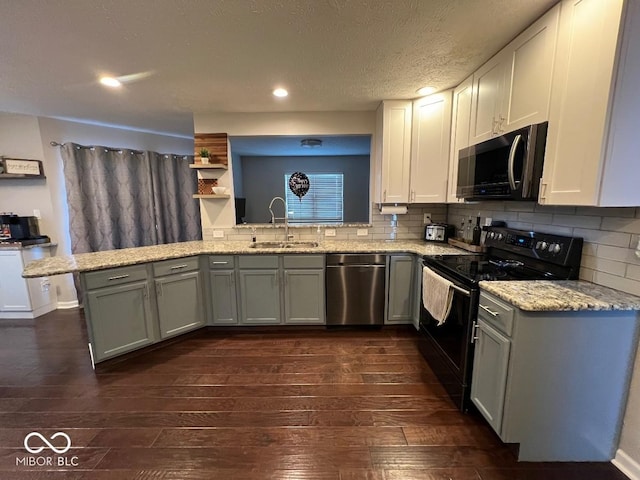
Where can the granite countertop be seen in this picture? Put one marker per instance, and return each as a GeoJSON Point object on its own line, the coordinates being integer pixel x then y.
{"type": "Point", "coordinates": [86, 262]}
{"type": "Point", "coordinates": [560, 295]}
{"type": "Point", "coordinates": [19, 246]}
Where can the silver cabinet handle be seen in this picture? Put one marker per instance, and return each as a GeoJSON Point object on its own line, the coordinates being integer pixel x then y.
{"type": "Point", "coordinates": [489, 311]}
{"type": "Point", "coordinates": [178, 267]}
{"type": "Point", "coordinates": [474, 332]}
{"type": "Point", "coordinates": [512, 158]}
{"type": "Point", "coordinates": [220, 263]}
{"type": "Point", "coordinates": [118, 277]}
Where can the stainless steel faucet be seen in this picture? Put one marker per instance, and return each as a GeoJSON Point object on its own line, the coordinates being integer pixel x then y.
{"type": "Point", "coordinates": [287, 237]}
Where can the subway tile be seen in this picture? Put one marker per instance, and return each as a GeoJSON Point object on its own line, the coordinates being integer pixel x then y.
{"type": "Point", "coordinates": [603, 265]}
{"type": "Point", "coordinates": [544, 218]}
{"type": "Point", "coordinates": [581, 221]}
{"type": "Point", "coordinates": [628, 212]}
{"type": "Point", "coordinates": [555, 209]}
{"type": "Point", "coordinates": [629, 225]}
{"type": "Point", "coordinates": [603, 237]}
{"type": "Point", "coordinates": [554, 229]}
{"type": "Point", "coordinates": [519, 206]}
{"type": "Point", "coordinates": [633, 272]}
{"type": "Point", "coordinates": [586, 274]}
{"type": "Point", "coordinates": [619, 254]}
{"type": "Point", "coordinates": [635, 241]}
{"type": "Point", "coordinates": [520, 226]}
{"type": "Point", "coordinates": [619, 283]}
{"type": "Point", "coordinates": [589, 249]}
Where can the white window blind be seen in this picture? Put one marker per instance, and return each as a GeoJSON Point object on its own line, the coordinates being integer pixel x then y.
{"type": "Point", "coordinates": [322, 203]}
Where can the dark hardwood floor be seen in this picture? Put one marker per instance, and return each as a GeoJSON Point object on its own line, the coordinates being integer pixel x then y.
{"type": "Point", "coordinates": [295, 404]}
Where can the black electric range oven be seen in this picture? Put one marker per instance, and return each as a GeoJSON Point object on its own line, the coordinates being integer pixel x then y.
{"type": "Point", "coordinates": [511, 255]}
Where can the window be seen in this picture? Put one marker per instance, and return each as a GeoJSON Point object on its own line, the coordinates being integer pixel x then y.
{"type": "Point", "coordinates": [322, 203]}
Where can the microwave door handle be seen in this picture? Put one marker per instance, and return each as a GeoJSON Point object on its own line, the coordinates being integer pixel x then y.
{"type": "Point", "coordinates": [512, 157]}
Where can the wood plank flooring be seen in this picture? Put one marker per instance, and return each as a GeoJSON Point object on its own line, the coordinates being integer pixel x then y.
{"type": "Point", "coordinates": [300, 404]}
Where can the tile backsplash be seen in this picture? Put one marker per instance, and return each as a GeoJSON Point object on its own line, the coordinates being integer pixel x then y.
{"type": "Point", "coordinates": [611, 235]}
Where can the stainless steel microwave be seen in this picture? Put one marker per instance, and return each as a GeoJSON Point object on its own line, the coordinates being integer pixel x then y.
{"type": "Point", "coordinates": [508, 167]}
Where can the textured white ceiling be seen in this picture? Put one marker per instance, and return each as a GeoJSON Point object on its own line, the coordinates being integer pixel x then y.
{"type": "Point", "coordinates": [227, 55]}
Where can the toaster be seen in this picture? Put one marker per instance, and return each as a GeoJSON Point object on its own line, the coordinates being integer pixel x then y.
{"type": "Point", "coordinates": [438, 232]}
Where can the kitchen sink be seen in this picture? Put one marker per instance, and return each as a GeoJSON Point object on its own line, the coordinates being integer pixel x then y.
{"type": "Point", "coordinates": [283, 245]}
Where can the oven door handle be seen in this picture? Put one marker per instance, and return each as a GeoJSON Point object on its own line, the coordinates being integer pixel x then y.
{"type": "Point", "coordinates": [474, 332]}
{"type": "Point", "coordinates": [461, 290]}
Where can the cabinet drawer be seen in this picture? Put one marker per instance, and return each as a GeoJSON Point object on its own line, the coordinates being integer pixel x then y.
{"type": "Point", "coordinates": [178, 265]}
{"type": "Point", "coordinates": [224, 262]}
{"type": "Point", "coordinates": [303, 261]}
{"type": "Point", "coordinates": [258, 261]}
{"type": "Point", "coordinates": [115, 276]}
{"type": "Point", "coordinates": [496, 313]}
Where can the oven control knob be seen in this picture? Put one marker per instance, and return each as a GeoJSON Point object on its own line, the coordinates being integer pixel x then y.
{"type": "Point", "coordinates": [544, 246]}
{"type": "Point", "coordinates": [491, 234]}
{"type": "Point", "coordinates": [538, 245]}
{"type": "Point", "coordinates": [500, 236]}
{"type": "Point", "coordinates": [555, 248]}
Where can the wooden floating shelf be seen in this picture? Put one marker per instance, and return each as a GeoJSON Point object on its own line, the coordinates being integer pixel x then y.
{"type": "Point", "coordinates": [218, 166]}
{"type": "Point", "coordinates": [212, 195]}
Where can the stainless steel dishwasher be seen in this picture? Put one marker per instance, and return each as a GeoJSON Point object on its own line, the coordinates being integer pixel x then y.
{"type": "Point", "coordinates": [355, 289]}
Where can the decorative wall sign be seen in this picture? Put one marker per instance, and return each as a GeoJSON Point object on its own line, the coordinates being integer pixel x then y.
{"type": "Point", "coordinates": [19, 168]}
{"type": "Point", "coordinates": [299, 184]}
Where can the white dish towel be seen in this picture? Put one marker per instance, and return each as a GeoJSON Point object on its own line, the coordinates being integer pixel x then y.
{"type": "Point", "coordinates": [437, 295]}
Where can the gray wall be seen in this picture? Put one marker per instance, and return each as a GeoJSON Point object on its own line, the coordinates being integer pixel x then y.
{"type": "Point", "coordinates": [263, 179]}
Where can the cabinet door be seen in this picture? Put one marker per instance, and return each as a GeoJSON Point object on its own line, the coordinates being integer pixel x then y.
{"type": "Point", "coordinates": [259, 297]}
{"type": "Point", "coordinates": [530, 65]}
{"type": "Point", "coordinates": [14, 293]}
{"type": "Point", "coordinates": [304, 297]}
{"type": "Point", "coordinates": [180, 306]}
{"type": "Point", "coordinates": [121, 319]}
{"type": "Point", "coordinates": [582, 82]}
{"type": "Point", "coordinates": [430, 138]}
{"type": "Point", "coordinates": [487, 98]}
{"type": "Point", "coordinates": [490, 366]}
{"type": "Point", "coordinates": [460, 121]}
{"type": "Point", "coordinates": [400, 299]}
{"type": "Point", "coordinates": [394, 150]}
{"type": "Point", "coordinates": [223, 297]}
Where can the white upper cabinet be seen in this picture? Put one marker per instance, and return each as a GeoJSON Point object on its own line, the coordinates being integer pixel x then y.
{"type": "Point", "coordinates": [593, 144]}
{"type": "Point", "coordinates": [393, 151]}
{"type": "Point", "coordinates": [512, 90]}
{"type": "Point", "coordinates": [460, 121]}
{"type": "Point", "coordinates": [430, 138]}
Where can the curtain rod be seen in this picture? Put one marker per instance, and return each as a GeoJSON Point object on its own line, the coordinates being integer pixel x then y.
{"type": "Point", "coordinates": [108, 149]}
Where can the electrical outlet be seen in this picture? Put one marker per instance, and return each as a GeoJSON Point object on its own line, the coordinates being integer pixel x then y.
{"type": "Point", "coordinates": [426, 220]}
{"type": "Point", "coordinates": [218, 234]}
{"type": "Point", "coordinates": [330, 232]}
{"type": "Point", "coordinates": [362, 232]}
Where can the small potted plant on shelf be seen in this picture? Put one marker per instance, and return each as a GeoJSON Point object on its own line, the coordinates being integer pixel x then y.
{"type": "Point", "coordinates": [204, 156]}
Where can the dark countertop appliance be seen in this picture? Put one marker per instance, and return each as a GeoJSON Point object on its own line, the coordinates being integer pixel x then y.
{"type": "Point", "coordinates": [511, 255]}
{"type": "Point", "coordinates": [508, 167]}
{"type": "Point", "coordinates": [438, 232]}
{"type": "Point", "coordinates": [21, 230]}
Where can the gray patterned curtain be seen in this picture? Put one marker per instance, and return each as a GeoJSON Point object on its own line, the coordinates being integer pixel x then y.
{"type": "Point", "coordinates": [121, 198]}
{"type": "Point", "coordinates": [177, 214]}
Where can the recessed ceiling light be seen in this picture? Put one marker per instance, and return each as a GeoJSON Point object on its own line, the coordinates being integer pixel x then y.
{"type": "Point", "coordinates": [426, 90]}
{"type": "Point", "coordinates": [110, 82]}
{"type": "Point", "coordinates": [310, 143]}
{"type": "Point", "coordinates": [280, 92]}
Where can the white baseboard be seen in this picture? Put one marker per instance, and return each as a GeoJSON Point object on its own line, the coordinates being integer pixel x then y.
{"type": "Point", "coordinates": [67, 305]}
{"type": "Point", "coordinates": [627, 465]}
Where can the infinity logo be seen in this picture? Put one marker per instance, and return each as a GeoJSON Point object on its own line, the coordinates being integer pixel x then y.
{"type": "Point", "coordinates": [59, 451]}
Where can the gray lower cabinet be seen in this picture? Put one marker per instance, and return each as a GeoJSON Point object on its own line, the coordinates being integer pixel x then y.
{"type": "Point", "coordinates": [553, 382]}
{"type": "Point", "coordinates": [304, 297]}
{"type": "Point", "coordinates": [401, 290]}
{"type": "Point", "coordinates": [490, 365]}
{"type": "Point", "coordinates": [118, 311]}
{"type": "Point", "coordinates": [259, 290]}
{"type": "Point", "coordinates": [222, 290]}
{"type": "Point", "coordinates": [178, 286]}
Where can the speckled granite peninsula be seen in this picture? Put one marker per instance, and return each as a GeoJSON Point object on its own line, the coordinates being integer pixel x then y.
{"type": "Point", "coordinates": [558, 296]}
{"type": "Point", "coordinates": [86, 262]}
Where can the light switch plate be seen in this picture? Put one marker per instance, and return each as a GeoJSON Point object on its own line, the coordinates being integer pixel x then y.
{"type": "Point", "coordinates": [426, 220]}
{"type": "Point", "coordinates": [218, 234]}
{"type": "Point", "coordinates": [330, 232]}
{"type": "Point", "coordinates": [362, 232]}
